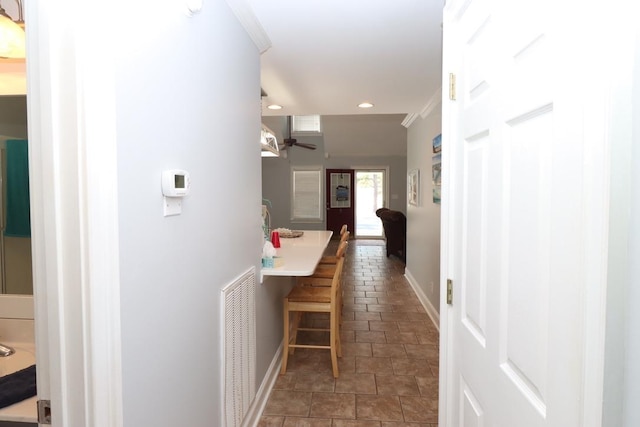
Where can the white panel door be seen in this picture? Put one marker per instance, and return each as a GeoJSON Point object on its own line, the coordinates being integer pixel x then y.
{"type": "Point", "coordinates": [517, 201]}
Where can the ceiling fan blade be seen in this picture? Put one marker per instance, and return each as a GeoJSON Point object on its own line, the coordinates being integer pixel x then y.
{"type": "Point", "coordinates": [301, 144]}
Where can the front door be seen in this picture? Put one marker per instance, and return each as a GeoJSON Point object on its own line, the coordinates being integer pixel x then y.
{"type": "Point", "coordinates": [518, 242]}
{"type": "Point", "coordinates": [339, 199]}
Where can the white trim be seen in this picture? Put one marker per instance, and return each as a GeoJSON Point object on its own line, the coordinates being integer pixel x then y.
{"type": "Point", "coordinates": [446, 397]}
{"type": "Point", "coordinates": [410, 118]}
{"type": "Point", "coordinates": [249, 21]}
{"type": "Point", "coordinates": [385, 199]}
{"type": "Point", "coordinates": [607, 136]}
{"type": "Point", "coordinates": [426, 303]}
{"type": "Point", "coordinates": [73, 178]}
{"type": "Point", "coordinates": [98, 183]}
{"type": "Point", "coordinates": [262, 396]}
{"type": "Point", "coordinates": [433, 103]}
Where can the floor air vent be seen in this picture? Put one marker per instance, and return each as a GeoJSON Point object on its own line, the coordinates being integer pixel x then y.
{"type": "Point", "coordinates": [239, 335]}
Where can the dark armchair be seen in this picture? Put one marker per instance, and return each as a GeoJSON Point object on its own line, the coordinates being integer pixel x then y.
{"type": "Point", "coordinates": [395, 231]}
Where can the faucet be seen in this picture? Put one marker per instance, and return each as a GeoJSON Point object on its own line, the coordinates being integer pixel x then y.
{"type": "Point", "coordinates": [6, 350]}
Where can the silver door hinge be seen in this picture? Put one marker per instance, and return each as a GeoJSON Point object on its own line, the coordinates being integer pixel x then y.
{"type": "Point", "coordinates": [452, 86]}
{"type": "Point", "coordinates": [449, 291]}
{"type": "Point", "coordinates": [44, 412]}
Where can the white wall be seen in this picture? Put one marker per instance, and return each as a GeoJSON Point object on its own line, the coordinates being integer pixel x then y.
{"type": "Point", "coordinates": [187, 97]}
{"type": "Point", "coordinates": [631, 391]}
{"type": "Point", "coordinates": [423, 222]}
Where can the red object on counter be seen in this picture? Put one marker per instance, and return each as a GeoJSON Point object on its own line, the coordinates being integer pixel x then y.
{"type": "Point", "coordinates": [275, 239]}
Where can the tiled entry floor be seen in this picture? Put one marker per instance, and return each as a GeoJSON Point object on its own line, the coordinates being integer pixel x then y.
{"type": "Point", "coordinates": [389, 369]}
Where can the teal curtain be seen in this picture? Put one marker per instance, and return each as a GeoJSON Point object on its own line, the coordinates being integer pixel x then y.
{"type": "Point", "coordinates": [18, 212]}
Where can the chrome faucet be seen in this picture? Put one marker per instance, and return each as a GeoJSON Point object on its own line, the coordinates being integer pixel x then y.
{"type": "Point", "coordinates": [6, 350]}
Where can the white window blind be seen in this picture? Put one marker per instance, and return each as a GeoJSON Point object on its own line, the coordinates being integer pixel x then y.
{"type": "Point", "coordinates": [306, 193]}
{"type": "Point", "coordinates": [306, 124]}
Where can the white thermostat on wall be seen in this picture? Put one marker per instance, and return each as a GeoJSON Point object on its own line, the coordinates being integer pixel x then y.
{"type": "Point", "coordinates": [175, 183]}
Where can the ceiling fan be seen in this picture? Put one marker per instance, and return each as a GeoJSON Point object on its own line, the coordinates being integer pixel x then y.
{"type": "Point", "coordinates": [290, 142]}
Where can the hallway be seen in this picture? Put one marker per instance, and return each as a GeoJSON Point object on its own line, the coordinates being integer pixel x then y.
{"type": "Point", "coordinates": [389, 369]}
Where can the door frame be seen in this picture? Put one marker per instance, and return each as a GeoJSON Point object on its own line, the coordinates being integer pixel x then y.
{"type": "Point", "coordinates": [73, 180]}
{"type": "Point", "coordinates": [599, 129]}
{"type": "Point", "coordinates": [385, 196]}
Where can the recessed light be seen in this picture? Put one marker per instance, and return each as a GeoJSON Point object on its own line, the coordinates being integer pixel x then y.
{"type": "Point", "coordinates": [365, 105]}
{"type": "Point", "coordinates": [274, 107]}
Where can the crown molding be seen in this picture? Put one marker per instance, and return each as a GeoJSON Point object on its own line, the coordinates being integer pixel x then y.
{"type": "Point", "coordinates": [409, 119]}
{"type": "Point", "coordinates": [434, 102]}
{"type": "Point", "coordinates": [249, 21]}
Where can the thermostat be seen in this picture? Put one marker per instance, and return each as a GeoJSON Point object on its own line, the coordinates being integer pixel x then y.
{"type": "Point", "coordinates": [175, 183]}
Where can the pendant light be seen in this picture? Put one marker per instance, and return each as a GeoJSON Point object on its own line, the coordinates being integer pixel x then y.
{"type": "Point", "coordinates": [12, 37]}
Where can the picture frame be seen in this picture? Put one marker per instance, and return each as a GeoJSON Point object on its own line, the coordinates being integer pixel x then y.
{"type": "Point", "coordinates": [436, 177]}
{"type": "Point", "coordinates": [414, 187]}
{"type": "Point", "coordinates": [437, 143]}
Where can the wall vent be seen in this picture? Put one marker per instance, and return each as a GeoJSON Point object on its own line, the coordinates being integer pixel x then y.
{"type": "Point", "coordinates": [239, 348]}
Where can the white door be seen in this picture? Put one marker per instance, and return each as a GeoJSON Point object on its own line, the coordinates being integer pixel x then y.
{"type": "Point", "coordinates": [518, 234]}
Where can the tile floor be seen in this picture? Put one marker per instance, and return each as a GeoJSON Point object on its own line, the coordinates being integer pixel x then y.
{"type": "Point", "coordinates": [389, 367]}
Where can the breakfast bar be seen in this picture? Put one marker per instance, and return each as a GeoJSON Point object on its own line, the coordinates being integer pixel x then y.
{"type": "Point", "coordinates": [300, 255]}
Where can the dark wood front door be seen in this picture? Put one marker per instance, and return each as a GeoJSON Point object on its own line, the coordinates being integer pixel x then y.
{"type": "Point", "coordinates": [340, 200]}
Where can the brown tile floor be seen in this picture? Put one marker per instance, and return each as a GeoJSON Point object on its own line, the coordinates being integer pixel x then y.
{"type": "Point", "coordinates": [389, 368]}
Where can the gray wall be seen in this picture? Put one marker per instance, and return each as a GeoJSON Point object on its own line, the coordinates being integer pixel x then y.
{"type": "Point", "coordinates": [423, 221]}
{"type": "Point", "coordinates": [187, 97]}
{"type": "Point", "coordinates": [276, 173]}
{"type": "Point", "coordinates": [13, 116]}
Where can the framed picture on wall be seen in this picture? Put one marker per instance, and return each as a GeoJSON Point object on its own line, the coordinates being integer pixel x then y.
{"type": "Point", "coordinates": [437, 144]}
{"type": "Point", "coordinates": [436, 170]}
{"type": "Point", "coordinates": [414, 187]}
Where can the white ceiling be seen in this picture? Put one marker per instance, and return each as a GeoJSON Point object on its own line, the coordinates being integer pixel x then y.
{"type": "Point", "coordinates": [327, 56]}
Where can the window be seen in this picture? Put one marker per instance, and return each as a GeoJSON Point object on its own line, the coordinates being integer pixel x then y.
{"type": "Point", "coordinates": [306, 194]}
{"type": "Point", "coordinates": [306, 124]}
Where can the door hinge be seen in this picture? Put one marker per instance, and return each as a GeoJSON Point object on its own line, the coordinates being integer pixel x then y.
{"type": "Point", "coordinates": [452, 86]}
{"type": "Point", "coordinates": [44, 412]}
{"type": "Point", "coordinates": [449, 291]}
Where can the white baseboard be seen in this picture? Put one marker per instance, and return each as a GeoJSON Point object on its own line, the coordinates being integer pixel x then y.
{"type": "Point", "coordinates": [431, 310]}
{"type": "Point", "coordinates": [262, 396]}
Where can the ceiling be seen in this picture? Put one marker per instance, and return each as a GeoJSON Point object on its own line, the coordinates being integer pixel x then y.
{"type": "Point", "coordinates": [327, 56]}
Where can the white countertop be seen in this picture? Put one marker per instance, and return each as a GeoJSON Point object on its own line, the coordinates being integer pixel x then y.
{"type": "Point", "coordinates": [300, 254]}
{"type": "Point", "coordinates": [26, 410]}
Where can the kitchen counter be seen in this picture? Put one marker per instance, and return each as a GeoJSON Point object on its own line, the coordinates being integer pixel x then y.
{"type": "Point", "coordinates": [300, 254]}
{"type": "Point", "coordinates": [26, 410]}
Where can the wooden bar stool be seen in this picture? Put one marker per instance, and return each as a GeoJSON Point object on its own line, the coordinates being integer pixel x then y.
{"type": "Point", "coordinates": [313, 298]}
{"type": "Point", "coordinates": [326, 270]}
{"type": "Point", "coordinates": [332, 259]}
